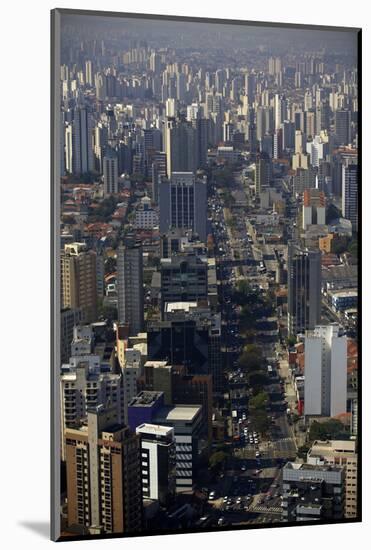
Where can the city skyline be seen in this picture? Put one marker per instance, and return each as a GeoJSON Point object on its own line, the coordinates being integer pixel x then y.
{"type": "Point", "coordinates": [208, 239]}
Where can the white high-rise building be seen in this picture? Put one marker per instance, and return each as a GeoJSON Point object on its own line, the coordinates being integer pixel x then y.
{"type": "Point", "coordinates": [89, 73]}
{"type": "Point", "coordinates": [171, 105]}
{"type": "Point", "coordinates": [279, 111]}
{"type": "Point", "coordinates": [325, 370]}
{"type": "Point", "coordinates": [68, 148]}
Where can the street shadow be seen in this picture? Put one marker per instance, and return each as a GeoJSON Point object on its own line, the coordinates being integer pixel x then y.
{"type": "Point", "coordinates": [41, 528]}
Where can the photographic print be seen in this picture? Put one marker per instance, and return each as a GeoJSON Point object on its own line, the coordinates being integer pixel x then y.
{"type": "Point", "coordinates": [205, 317]}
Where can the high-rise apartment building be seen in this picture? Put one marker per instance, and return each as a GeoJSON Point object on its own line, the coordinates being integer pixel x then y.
{"type": "Point", "coordinates": [158, 172]}
{"type": "Point", "coordinates": [183, 203]}
{"type": "Point", "coordinates": [78, 280]}
{"type": "Point", "coordinates": [83, 385]}
{"type": "Point", "coordinates": [304, 288]}
{"type": "Point", "coordinates": [110, 173]}
{"type": "Point", "coordinates": [325, 369]}
{"type": "Point", "coordinates": [89, 73]}
{"type": "Point", "coordinates": [130, 285]}
{"type": "Point", "coordinates": [104, 488]}
{"type": "Point", "coordinates": [82, 141]}
{"type": "Point", "coordinates": [158, 456]}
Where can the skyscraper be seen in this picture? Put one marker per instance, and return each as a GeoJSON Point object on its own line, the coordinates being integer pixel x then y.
{"type": "Point", "coordinates": [181, 146]}
{"type": "Point", "coordinates": [342, 127]}
{"type": "Point", "coordinates": [183, 203]}
{"type": "Point", "coordinates": [350, 193]}
{"type": "Point", "coordinates": [88, 73]}
{"type": "Point", "coordinates": [304, 288]}
{"type": "Point", "coordinates": [78, 275]}
{"type": "Point", "coordinates": [325, 369]}
{"type": "Point", "coordinates": [110, 173]}
{"type": "Point", "coordinates": [82, 145]}
{"type": "Point", "coordinates": [262, 172]}
{"type": "Point", "coordinates": [103, 476]}
{"type": "Point", "coordinates": [130, 285]}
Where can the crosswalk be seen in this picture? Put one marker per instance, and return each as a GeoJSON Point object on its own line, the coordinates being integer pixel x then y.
{"type": "Point", "coordinates": [265, 509]}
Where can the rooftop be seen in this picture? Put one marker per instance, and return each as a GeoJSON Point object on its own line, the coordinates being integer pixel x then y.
{"type": "Point", "coordinates": [179, 412]}
{"type": "Point", "coordinates": [145, 399]}
{"type": "Point", "coordinates": [154, 429]}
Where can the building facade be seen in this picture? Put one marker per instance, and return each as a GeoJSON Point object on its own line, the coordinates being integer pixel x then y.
{"type": "Point", "coordinates": [325, 369]}
{"type": "Point", "coordinates": [183, 203]}
{"type": "Point", "coordinates": [130, 285]}
{"type": "Point", "coordinates": [79, 280]}
{"type": "Point", "coordinates": [104, 489]}
{"type": "Point", "coordinates": [304, 288]}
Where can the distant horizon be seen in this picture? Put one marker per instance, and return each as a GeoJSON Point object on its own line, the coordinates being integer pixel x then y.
{"type": "Point", "coordinates": [269, 39]}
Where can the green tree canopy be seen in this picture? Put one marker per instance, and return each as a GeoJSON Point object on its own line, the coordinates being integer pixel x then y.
{"type": "Point", "coordinates": [331, 429]}
{"type": "Point", "coordinates": [259, 401]}
{"type": "Point", "coordinates": [217, 459]}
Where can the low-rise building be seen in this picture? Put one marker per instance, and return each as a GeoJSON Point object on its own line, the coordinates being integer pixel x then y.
{"type": "Point", "coordinates": [339, 453]}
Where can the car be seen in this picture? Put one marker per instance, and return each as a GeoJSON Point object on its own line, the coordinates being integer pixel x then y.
{"type": "Point", "coordinates": [225, 499]}
{"type": "Point", "coordinates": [258, 471]}
{"type": "Point", "coordinates": [243, 468]}
{"type": "Point", "coordinates": [257, 454]}
{"type": "Point", "coordinates": [212, 495]}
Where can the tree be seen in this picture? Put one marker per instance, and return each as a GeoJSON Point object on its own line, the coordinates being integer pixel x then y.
{"type": "Point", "coordinates": [260, 421]}
{"type": "Point", "coordinates": [303, 451]}
{"type": "Point", "coordinates": [250, 362]}
{"type": "Point", "coordinates": [259, 401]}
{"type": "Point", "coordinates": [331, 429]}
{"type": "Point", "coordinates": [291, 341]}
{"type": "Point", "coordinates": [217, 459]}
{"type": "Point", "coordinates": [353, 248]}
